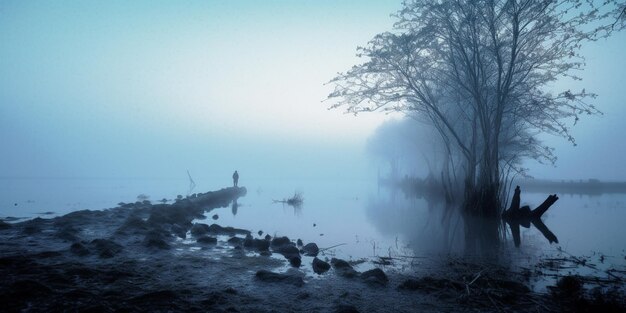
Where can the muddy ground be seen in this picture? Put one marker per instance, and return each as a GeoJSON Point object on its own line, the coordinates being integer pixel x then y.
{"type": "Point", "coordinates": [144, 257]}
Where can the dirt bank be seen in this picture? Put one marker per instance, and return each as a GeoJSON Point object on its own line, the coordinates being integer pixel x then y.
{"type": "Point", "coordinates": [157, 258]}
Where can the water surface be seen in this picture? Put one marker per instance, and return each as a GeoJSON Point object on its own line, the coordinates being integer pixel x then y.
{"type": "Point", "coordinates": [357, 217]}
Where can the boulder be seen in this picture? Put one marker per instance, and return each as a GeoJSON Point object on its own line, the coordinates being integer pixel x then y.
{"type": "Point", "coordinates": [199, 229]}
{"type": "Point", "coordinates": [310, 249]}
{"type": "Point", "coordinates": [280, 241]}
{"type": "Point", "coordinates": [375, 277]}
{"type": "Point", "coordinates": [319, 266]}
{"type": "Point", "coordinates": [216, 229]}
{"type": "Point", "coordinates": [288, 251]}
{"type": "Point", "coordinates": [155, 239]}
{"type": "Point", "coordinates": [256, 244]}
{"type": "Point", "coordinates": [134, 224]}
{"type": "Point", "coordinates": [235, 241]}
{"type": "Point", "coordinates": [207, 240]}
{"type": "Point", "coordinates": [295, 261]}
{"type": "Point", "coordinates": [343, 268]}
{"type": "Point", "coordinates": [179, 231]}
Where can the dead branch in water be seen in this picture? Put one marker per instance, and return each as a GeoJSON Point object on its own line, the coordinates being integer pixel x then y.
{"type": "Point", "coordinates": [296, 200]}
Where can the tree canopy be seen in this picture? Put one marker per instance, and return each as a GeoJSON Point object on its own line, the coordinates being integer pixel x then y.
{"type": "Point", "coordinates": [479, 72]}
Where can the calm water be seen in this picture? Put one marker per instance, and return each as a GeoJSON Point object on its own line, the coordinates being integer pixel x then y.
{"type": "Point", "coordinates": [365, 220]}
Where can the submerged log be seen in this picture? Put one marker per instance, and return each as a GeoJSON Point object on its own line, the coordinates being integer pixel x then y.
{"type": "Point", "coordinates": [517, 216]}
{"type": "Point", "coordinates": [515, 212]}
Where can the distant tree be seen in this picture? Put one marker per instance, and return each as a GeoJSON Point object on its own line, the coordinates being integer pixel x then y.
{"type": "Point", "coordinates": [478, 71]}
{"type": "Point", "coordinates": [398, 141]}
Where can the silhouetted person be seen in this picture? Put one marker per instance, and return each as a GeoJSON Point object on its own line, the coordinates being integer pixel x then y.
{"type": "Point", "coordinates": [235, 178]}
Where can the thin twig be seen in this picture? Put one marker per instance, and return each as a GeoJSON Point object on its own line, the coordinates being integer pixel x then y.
{"type": "Point", "coordinates": [335, 246]}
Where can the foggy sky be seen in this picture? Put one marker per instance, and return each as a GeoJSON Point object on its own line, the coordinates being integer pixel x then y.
{"type": "Point", "coordinates": [151, 89]}
{"type": "Point", "coordinates": [154, 88]}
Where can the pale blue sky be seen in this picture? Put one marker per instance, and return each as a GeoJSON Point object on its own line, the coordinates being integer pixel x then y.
{"type": "Point", "coordinates": [130, 88]}
{"type": "Point", "coordinates": [103, 82]}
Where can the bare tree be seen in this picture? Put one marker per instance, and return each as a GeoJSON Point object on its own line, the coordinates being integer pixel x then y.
{"type": "Point", "coordinates": [478, 71]}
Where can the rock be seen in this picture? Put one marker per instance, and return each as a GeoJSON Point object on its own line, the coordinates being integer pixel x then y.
{"type": "Point", "coordinates": [106, 248]}
{"type": "Point", "coordinates": [267, 276]}
{"type": "Point", "coordinates": [280, 241]}
{"type": "Point", "coordinates": [375, 277]}
{"type": "Point", "coordinates": [179, 231]}
{"type": "Point", "coordinates": [78, 249]}
{"type": "Point", "coordinates": [230, 231]}
{"type": "Point", "coordinates": [299, 242]}
{"type": "Point", "coordinates": [235, 241]}
{"type": "Point", "coordinates": [155, 239]}
{"type": "Point", "coordinates": [262, 245]}
{"type": "Point", "coordinates": [310, 249]}
{"type": "Point", "coordinates": [295, 261]}
{"type": "Point", "coordinates": [78, 218]}
{"type": "Point", "coordinates": [343, 268]}
{"type": "Point", "coordinates": [268, 237]}
{"type": "Point", "coordinates": [206, 240]}
{"type": "Point", "coordinates": [180, 213]}
{"type": "Point", "coordinates": [288, 251]}
{"type": "Point", "coordinates": [260, 233]}
{"type": "Point", "coordinates": [319, 266]}
{"type": "Point", "coordinates": [339, 263]}
{"type": "Point", "coordinates": [199, 229]}
{"type": "Point", "coordinates": [257, 244]}
{"type": "Point", "coordinates": [215, 216]}
{"type": "Point", "coordinates": [248, 242]}
{"type": "Point", "coordinates": [133, 223]}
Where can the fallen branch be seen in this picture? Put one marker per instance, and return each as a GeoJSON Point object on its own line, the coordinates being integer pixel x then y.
{"type": "Point", "coordinates": [335, 246]}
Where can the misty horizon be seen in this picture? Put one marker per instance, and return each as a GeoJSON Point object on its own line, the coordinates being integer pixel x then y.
{"type": "Point", "coordinates": [83, 98]}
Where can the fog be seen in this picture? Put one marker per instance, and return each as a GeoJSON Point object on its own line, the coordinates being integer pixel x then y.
{"type": "Point", "coordinates": [155, 89]}
{"type": "Point", "coordinates": [142, 90]}
{"type": "Point", "coordinates": [600, 146]}
{"type": "Point", "coordinates": [122, 125]}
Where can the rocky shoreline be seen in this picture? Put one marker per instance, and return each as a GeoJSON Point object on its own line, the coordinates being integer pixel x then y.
{"type": "Point", "coordinates": [144, 257]}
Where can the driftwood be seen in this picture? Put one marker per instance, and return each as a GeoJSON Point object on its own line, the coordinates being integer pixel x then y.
{"type": "Point", "coordinates": [517, 216]}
